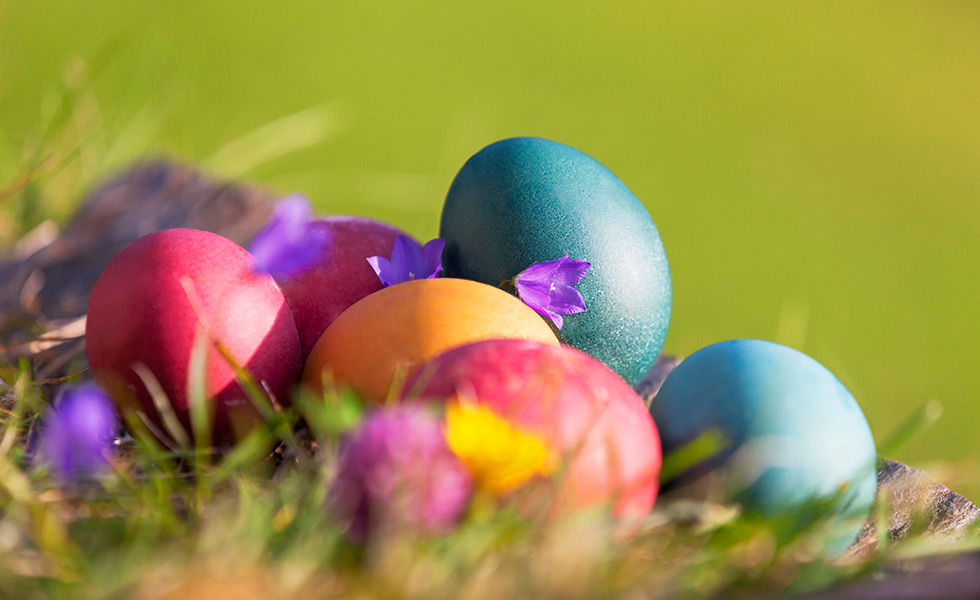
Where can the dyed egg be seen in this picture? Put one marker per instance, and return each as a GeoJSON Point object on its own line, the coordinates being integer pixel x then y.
{"type": "Point", "coordinates": [386, 334]}
{"type": "Point", "coordinates": [795, 440]}
{"type": "Point", "coordinates": [526, 200]}
{"type": "Point", "coordinates": [582, 411]}
{"type": "Point", "coordinates": [340, 277]}
{"type": "Point", "coordinates": [159, 293]}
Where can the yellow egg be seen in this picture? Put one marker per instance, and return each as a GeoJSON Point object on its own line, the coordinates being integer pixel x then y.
{"type": "Point", "coordinates": [377, 342]}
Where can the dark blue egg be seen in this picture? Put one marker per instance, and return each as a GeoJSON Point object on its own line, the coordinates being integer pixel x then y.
{"type": "Point", "coordinates": [795, 441]}
{"type": "Point", "coordinates": [522, 201]}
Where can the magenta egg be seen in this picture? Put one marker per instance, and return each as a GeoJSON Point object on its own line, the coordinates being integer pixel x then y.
{"type": "Point", "coordinates": [341, 276]}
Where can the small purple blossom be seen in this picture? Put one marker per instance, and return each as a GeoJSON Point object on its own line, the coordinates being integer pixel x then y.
{"type": "Point", "coordinates": [288, 244]}
{"type": "Point", "coordinates": [77, 433]}
{"type": "Point", "coordinates": [396, 470]}
{"type": "Point", "coordinates": [409, 261]}
{"type": "Point", "coordinates": [547, 287]}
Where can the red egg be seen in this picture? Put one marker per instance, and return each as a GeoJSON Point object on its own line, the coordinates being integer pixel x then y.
{"type": "Point", "coordinates": [341, 277]}
{"type": "Point", "coordinates": [152, 300]}
{"type": "Point", "coordinates": [575, 404]}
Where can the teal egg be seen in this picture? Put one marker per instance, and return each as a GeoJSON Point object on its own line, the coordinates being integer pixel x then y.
{"type": "Point", "coordinates": [796, 444]}
{"type": "Point", "coordinates": [521, 201]}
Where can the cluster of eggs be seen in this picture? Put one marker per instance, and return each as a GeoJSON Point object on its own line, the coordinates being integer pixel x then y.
{"type": "Point", "coordinates": [794, 436]}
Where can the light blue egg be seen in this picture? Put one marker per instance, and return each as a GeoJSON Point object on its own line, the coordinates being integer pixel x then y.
{"type": "Point", "coordinates": [796, 443]}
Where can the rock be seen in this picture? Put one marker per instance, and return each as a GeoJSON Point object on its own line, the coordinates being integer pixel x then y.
{"type": "Point", "coordinates": [651, 382]}
{"type": "Point", "coordinates": [916, 504]}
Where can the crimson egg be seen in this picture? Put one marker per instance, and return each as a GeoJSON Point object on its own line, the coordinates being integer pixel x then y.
{"type": "Point", "coordinates": [170, 288]}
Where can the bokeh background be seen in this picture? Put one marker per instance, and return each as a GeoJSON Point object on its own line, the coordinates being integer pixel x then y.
{"type": "Point", "coordinates": [813, 168]}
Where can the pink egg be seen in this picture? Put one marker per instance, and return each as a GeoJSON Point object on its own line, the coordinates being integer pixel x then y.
{"type": "Point", "coordinates": [152, 300]}
{"type": "Point", "coordinates": [578, 407]}
{"type": "Point", "coordinates": [341, 277]}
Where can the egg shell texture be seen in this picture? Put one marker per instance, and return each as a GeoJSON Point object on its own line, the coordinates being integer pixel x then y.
{"type": "Point", "coordinates": [796, 438]}
{"type": "Point", "coordinates": [341, 276]}
{"type": "Point", "coordinates": [153, 298]}
{"type": "Point", "coordinates": [581, 408]}
{"type": "Point", "coordinates": [526, 200]}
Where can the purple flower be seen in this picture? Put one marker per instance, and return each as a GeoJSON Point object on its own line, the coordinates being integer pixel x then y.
{"type": "Point", "coordinates": [547, 287]}
{"type": "Point", "coordinates": [77, 433]}
{"type": "Point", "coordinates": [409, 261]}
{"type": "Point", "coordinates": [396, 471]}
{"type": "Point", "coordinates": [288, 244]}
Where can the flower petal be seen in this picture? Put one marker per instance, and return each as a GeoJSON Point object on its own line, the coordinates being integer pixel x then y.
{"type": "Point", "coordinates": [571, 271]}
{"type": "Point", "coordinates": [432, 257]}
{"type": "Point", "coordinates": [566, 300]}
{"type": "Point", "coordinates": [547, 287]}
{"type": "Point", "coordinates": [289, 243]}
{"type": "Point", "coordinates": [541, 272]}
{"type": "Point", "coordinates": [409, 261]}
{"type": "Point", "coordinates": [501, 456]}
{"type": "Point", "coordinates": [77, 433]}
{"type": "Point", "coordinates": [406, 257]}
{"type": "Point", "coordinates": [535, 294]}
{"type": "Point", "coordinates": [383, 269]}
{"type": "Point", "coordinates": [397, 470]}
{"type": "Point", "coordinates": [554, 317]}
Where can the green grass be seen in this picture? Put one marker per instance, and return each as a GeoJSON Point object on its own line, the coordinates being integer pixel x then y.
{"type": "Point", "coordinates": [185, 522]}
{"type": "Point", "coordinates": [178, 519]}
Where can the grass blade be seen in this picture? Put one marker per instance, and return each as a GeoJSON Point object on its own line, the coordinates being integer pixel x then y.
{"type": "Point", "coordinates": [197, 399]}
{"type": "Point", "coordinates": [170, 421]}
{"type": "Point", "coordinates": [260, 399]}
{"type": "Point", "coordinates": [276, 139]}
{"type": "Point", "coordinates": [700, 448]}
{"type": "Point", "coordinates": [922, 419]}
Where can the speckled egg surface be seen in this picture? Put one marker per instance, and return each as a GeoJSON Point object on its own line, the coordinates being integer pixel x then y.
{"type": "Point", "coordinates": [525, 200]}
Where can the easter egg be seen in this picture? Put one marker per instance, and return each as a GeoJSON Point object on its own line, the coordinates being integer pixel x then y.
{"type": "Point", "coordinates": [585, 413]}
{"type": "Point", "coordinates": [794, 440]}
{"type": "Point", "coordinates": [340, 277]}
{"type": "Point", "coordinates": [522, 201]}
{"type": "Point", "coordinates": [162, 291]}
{"type": "Point", "coordinates": [386, 334]}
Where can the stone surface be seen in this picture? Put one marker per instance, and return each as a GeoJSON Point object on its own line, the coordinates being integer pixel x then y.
{"type": "Point", "coordinates": [648, 387]}
{"type": "Point", "coordinates": [916, 504]}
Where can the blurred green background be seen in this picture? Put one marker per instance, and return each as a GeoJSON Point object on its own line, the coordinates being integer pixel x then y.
{"type": "Point", "coordinates": [814, 169]}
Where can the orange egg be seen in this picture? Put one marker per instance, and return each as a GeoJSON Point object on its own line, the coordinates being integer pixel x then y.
{"type": "Point", "coordinates": [381, 338]}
